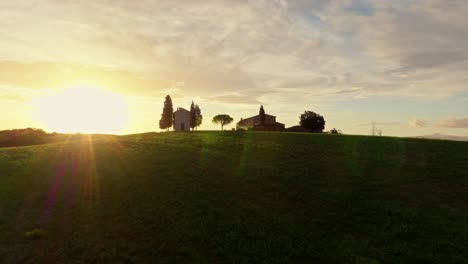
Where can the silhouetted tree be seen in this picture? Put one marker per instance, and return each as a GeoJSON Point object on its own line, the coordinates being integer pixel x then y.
{"type": "Point", "coordinates": [223, 120]}
{"type": "Point", "coordinates": [193, 117]}
{"type": "Point", "coordinates": [167, 114]}
{"type": "Point", "coordinates": [262, 116]}
{"type": "Point", "coordinates": [335, 131]}
{"type": "Point", "coordinates": [198, 117]}
{"type": "Point", "coordinates": [173, 119]}
{"type": "Point", "coordinates": [312, 121]}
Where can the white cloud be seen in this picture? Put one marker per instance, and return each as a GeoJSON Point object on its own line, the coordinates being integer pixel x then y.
{"type": "Point", "coordinates": [396, 48]}
{"type": "Point", "coordinates": [453, 123]}
{"type": "Point", "coordinates": [415, 122]}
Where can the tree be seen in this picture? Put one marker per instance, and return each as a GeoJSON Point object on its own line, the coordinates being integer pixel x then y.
{"type": "Point", "coordinates": [379, 132]}
{"type": "Point", "coordinates": [167, 114]}
{"type": "Point", "coordinates": [335, 131]}
{"type": "Point", "coordinates": [312, 121]}
{"type": "Point", "coordinates": [223, 120]}
{"type": "Point", "coordinates": [375, 131]}
{"type": "Point", "coordinates": [198, 116]}
{"type": "Point", "coordinates": [193, 121]}
{"type": "Point", "coordinates": [262, 116]}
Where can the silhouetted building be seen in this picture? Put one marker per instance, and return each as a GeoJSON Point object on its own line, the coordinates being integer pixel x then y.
{"type": "Point", "coordinates": [254, 123]}
{"type": "Point", "coordinates": [181, 119]}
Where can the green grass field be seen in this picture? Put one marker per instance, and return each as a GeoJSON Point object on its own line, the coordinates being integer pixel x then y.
{"type": "Point", "coordinates": [227, 197]}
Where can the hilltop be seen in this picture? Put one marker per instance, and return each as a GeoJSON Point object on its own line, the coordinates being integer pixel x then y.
{"type": "Point", "coordinates": [235, 197]}
{"type": "Point", "coordinates": [34, 136]}
{"type": "Point", "coordinates": [444, 137]}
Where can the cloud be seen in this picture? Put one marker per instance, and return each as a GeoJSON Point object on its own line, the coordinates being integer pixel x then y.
{"type": "Point", "coordinates": [360, 96]}
{"type": "Point", "coordinates": [338, 92]}
{"type": "Point", "coordinates": [47, 75]}
{"type": "Point", "coordinates": [380, 124]}
{"type": "Point", "coordinates": [13, 98]}
{"type": "Point", "coordinates": [233, 99]}
{"type": "Point", "coordinates": [414, 122]}
{"type": "Point", "coordinates": [407, 48]}
{"type": "Point", "coordinates": [15, 94]}
{"type": "Point", "coordinates": [453, 123]}
{"type": "Point", "coordinates": [397, 48]}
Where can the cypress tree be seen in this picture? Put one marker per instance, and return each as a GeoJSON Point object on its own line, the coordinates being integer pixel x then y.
{"type": "Point", "coordinates": [193, 116]}
{"type": "Point", "coordinates": [167, 114]}
{"type": "Point", "coordinates": [198, 116]}
{"type": "Point", "coordinates": [262, 116]}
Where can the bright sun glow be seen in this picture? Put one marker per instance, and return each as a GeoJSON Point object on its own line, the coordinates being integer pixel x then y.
{"type": "Point", "coordinates": [84, 109]}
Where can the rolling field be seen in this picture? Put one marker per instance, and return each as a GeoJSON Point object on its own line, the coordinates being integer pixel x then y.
{"type": "Point", "coordinates": [227, 197]}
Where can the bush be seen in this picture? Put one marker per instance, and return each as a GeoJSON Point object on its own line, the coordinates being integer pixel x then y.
{"type": "Point", "coordinates": [335, 131]}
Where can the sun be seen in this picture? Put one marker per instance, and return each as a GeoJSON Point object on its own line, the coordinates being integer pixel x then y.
{"type": "Point", "coordinates": [84, 109]}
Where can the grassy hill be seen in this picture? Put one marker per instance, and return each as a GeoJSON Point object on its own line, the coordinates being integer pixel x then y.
{"type": "Point", "coordinates": [235, 197]}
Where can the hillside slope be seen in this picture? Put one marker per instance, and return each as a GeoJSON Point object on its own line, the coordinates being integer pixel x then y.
{"type": "Point", "coordinates": [23, 137]}
{"type": "Point", "coordinates": [235, 197]}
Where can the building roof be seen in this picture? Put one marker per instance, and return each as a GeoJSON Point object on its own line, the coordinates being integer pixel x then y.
{"type": "Point", "coordinates": [181, 109]}
{"type": "Point", "coordinates": [253, 117]}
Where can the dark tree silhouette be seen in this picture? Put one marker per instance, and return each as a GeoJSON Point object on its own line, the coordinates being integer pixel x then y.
{"type": "Point", "coordinates": [335, 131]}
{"type": "Point", "coordinates": [198, 117]}
{"type": "Point", "coordinates": [167, 114]}
{"type": "Point", "coordinates": [262, 116]}
{"type": "Point", "coordinates": [312, 121]}
{"type": "Point", "coordinates": [193, 116]}
{"type": "Point", "coordinates": [223, 120]}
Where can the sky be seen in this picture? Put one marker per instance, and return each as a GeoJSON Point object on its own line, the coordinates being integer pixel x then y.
{"type": "Point", "coordinates": [401, 64]}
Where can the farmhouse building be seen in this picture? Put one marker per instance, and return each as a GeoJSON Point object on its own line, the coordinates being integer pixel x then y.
{"type": "Point", "coordinates": [181, 119]}
{"type": "Point", "coordinates": [254, 123]}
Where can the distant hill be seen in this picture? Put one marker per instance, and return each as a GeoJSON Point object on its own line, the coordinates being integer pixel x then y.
{"type": "Point", "coordinates": [34, 136]}
{"type": "Point", "coordinates": [23, 137]}
{"type": "Point", "coordinates": [444, 137]}
{"type": "Point", "coordinates": [231, 197]}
